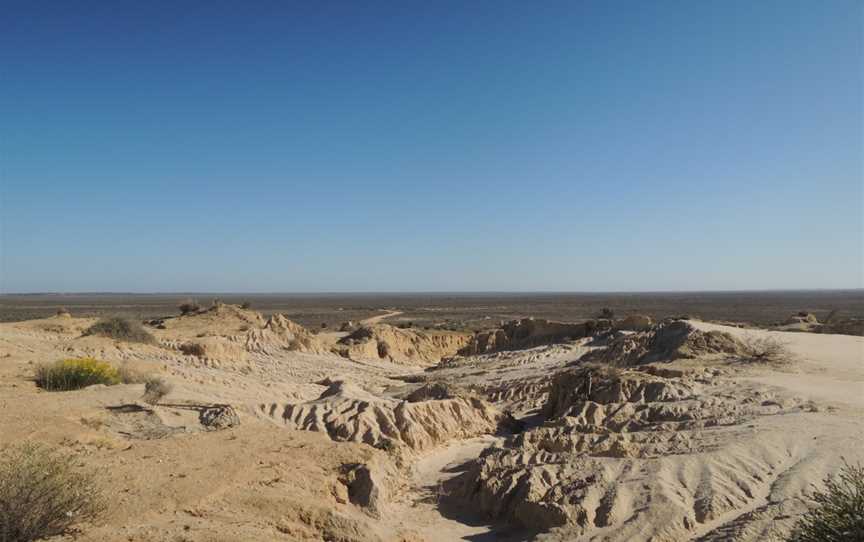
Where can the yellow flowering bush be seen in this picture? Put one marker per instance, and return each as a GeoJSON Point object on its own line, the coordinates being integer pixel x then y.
{"type": "Point", "coordinates": [73, 374]}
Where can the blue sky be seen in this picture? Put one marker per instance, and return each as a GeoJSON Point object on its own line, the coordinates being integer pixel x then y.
{"type": "Point", "coordinates": [434, 146]}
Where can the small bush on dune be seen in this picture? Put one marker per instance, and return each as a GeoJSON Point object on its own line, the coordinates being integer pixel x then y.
{"type": "Point", "coordinates": [155, 388]}
{"type": "Point", "coordinates": [764, 349]}
{"type": "Point", "coordinates": [193, 349]}
{"type": "Point", "coordinates": [130, 374]}
{"type": "Point", "coordinates": [839, 511]}
{"type": "Point", "coordinates": [122, 330]}
{"type": "Point", "coordinates": [43, 494]}
{"type": "Point", "coordinates": [73, 374]}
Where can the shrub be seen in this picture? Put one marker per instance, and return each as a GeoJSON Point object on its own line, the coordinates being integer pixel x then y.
{"type": "Point", "coordinates": [188, 307]}
{"type": "Point", "coordinates": [839, 511]}
{"type": "Point", "coordinates": [193, 349]}
{"type": "Point", "coordinates": [77, 373]}
{"type": "Point", "coordinates": [155, 388]}
{"type": "Point", "coordinates": [246, 305]}
{"type": "Point", "coordinates": [131, 375]}
{"type": "Point", "coordinates": [63, 311]}
{"type": "Point", "coordinates": [43, 494]}
{"type": "Point", "coordinates": [122, 330]}
{"type": "Point", "coordinates": [764, 349]}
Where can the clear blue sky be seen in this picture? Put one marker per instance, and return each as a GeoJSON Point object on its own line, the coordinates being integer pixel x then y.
{"type": "Point", "coordinates": [369, 146]}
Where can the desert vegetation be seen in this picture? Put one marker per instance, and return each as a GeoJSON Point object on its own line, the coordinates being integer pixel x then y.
{"type": "Point", "coordinates": [130, 374]}
{"type": "Point", "coordinates": [155, 389]}
{"type": "Point", "coordinates": [121, 329]}
{"type": "Point", "coordinates": [193, 349]}
{"type": "Point", "coordinates": [838, 511]}
{"type": "Point", "coordinates": [76, 373]}
{"type": "Point", "coordinates": [189, 307]}
{"type": "Point", "coordinates": [43, 493]}
{"type": "Point", "coordinates": [764, 349]}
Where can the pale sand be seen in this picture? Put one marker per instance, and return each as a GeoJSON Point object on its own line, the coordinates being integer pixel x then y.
{"type": "Point", "coordinates": [171, 479]}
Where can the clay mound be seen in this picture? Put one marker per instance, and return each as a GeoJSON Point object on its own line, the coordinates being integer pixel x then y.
{"type": "Point", "coordinates": [575, 472]}
{"type": "Point", "coordinates": [405, 346]}
{"type": "Point", "coordinates": [298, 337]}
{"type": "Point", "coordinates": [348, 413]}
{"type": "Point", "coordinates": [523, 334]}
{"type": "Point", "coordinates": [667, 341]}
{"type": "Point", "coordinates": [437, 391]}
{"type": "Point", "coordinates": [61, 324]}
{"type": "Point", "coordinates": [634, 322]}
{"type": "Point", "coordinates": [278, 335]}
{"type": "Point", "coordinates": [220, 319]}
{"type": "Point", "coordinates": [570, 391]}
{"type": "Point", "coordinates": [801, 318]}
{"type": "Point", "coordinates": [210, 348]}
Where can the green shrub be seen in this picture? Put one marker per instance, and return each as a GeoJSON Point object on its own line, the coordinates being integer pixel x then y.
{"type": "Point", "coordinates": [77, 373]}
{"type": "Point", "coordinates": [43, 494]}
{"type": "Point", "coordinates": [122, 330]}
{"type": "Point", "coordinates": [838, 514]}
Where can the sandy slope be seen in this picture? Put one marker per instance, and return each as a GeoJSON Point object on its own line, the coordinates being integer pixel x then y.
{"type": "Point", "coordinates": [826, 367]}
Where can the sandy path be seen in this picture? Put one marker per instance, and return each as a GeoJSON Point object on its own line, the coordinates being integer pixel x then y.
{"type": "Point", "coordinates": [377, 319]}
{"type": "Point", "coordinates": [330, 338]}
{"type": "Point", "coordinates": [434, 520]}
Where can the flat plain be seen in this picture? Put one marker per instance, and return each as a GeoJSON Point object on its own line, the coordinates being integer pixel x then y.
{"type": "Point", "coordinates": [475, 309]}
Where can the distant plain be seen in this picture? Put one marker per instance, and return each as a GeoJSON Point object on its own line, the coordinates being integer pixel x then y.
{"type": "Point", "coordinates": [472, 310]}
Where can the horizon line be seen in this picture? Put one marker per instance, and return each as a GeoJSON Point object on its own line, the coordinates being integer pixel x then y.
{"type": "Point", "coordinates": [436, 292]}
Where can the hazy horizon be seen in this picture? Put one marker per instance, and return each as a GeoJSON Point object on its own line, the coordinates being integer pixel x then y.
{"type": "Point", "coordinates": [483, 147]}
{"type": "Point", "coordinates": [430, 292]}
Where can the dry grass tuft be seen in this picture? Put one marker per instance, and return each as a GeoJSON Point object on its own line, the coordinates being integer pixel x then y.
{"type": "Point", "coordinates": [130, 374]}
{"type": "Point", "coordinates": [193, 349]}
{"type": "Point", "coordinates": [155, 388]}
{"type": "Point", "coordinates": [43, 494]}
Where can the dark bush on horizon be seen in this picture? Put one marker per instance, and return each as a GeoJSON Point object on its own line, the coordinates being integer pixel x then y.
{"type": "Point", "coordinates": [188, 307]}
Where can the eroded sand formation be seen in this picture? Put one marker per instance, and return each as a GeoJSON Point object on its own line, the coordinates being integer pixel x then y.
{"type": "Point", "coordinates": [624, 430]}
{"type": "Point", "coordinates": [404, 346]}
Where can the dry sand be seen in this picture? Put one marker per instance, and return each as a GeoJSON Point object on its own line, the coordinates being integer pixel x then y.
{"type": "Point", "coordinates": [702, 447]}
